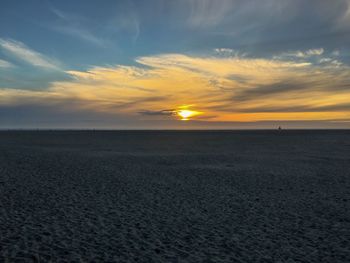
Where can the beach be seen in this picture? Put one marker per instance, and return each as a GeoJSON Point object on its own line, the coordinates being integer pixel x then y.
{"type": "Point", "coordinates": [175, 196]}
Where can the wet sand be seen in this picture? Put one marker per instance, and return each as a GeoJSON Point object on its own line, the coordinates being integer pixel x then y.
{"type": "Point", "coordinates": [151, 196]}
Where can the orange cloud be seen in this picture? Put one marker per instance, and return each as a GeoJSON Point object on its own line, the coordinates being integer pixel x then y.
{"type": "Point", "coordinates": [224, 89]}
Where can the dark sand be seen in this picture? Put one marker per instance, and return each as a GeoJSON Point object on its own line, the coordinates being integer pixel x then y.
{"type": "Point", "coordinates": [248, 196]}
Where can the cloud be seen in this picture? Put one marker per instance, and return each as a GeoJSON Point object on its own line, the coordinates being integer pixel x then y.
{"type": "Point", "coordinates": [298, 108]}
{"type": "Point", "coordinates": [34, 71]}
{"type": "Point", "coordinates": [81, 33]}
{"type": "Point", "coordinates": [124, 22]}
{"type": "Point", "coordinates": [74, 26]}
{"type": "Point", "coordinates": [24, 53]}
{"type": "Point", "coordinates": [158, 113]}
{"type": "Point", "coordinates": [207, 13]}
{"type": "Point", "coordinates": [5, 64]}
{"type": "Point", "coordinates": [344, 18]}
{"type": "Point", "coordinates": [257, 27]}
{"type": "Point", "coordinates": [228, 52]}
{"type": "Point", "coordinates": [271, 89]}
{"type": "Point", "coordinates": [223, 89]}
{"type": "Point", "coordinates": [336, 53]}
{"type": "Point", "coordinates": [303, 54]}
{"type": "Point", "coordinates": [314, 52]}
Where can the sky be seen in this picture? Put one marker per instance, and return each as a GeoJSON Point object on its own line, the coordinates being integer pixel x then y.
{"type": "Point", "coordinates": [184, 64]}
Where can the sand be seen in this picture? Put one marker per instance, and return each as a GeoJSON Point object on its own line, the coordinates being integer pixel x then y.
{"type": "Point", "coordinates": [244, 196]}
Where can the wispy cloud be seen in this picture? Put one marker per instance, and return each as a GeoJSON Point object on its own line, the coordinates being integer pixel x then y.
{"type": "Point", "coordinates": [24, 53]}
{"type": "Point", "coordinates": [303, 54]}
{"type": "Point", "coordinates": [228, 52]}
{"type": "Point", "coordinates": [317, 55]}
{"type": "Point", "coordinates": [222, 88]}
{"type": "Point", "coordinates": [5, 64]}
{"type": "Point", "coordinates": [75, 26]}
{"type": "Point", "coordinates": [158, 112]}
{"type": "Point", "coordinates": [82, 33]}
{"type": "Point", "coordinates": [124, 22]}
{"type": "Point", "coordinates": [344, 18]}
{"type": "Point", "coordinates": [207, 13]}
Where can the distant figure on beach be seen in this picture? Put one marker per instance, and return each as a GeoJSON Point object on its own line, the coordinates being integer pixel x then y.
{"type": "Point", "coordinates": [279, 128]}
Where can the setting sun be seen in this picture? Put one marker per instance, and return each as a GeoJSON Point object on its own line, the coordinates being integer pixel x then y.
{"type": "Point", "coordinates": [186, 114]}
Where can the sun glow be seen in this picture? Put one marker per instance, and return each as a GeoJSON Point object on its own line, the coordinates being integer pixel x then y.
{"type": "Point", "coordinates": [186, 114]}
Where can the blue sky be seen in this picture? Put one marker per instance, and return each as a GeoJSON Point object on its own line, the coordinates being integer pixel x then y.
{"type": "Point", "coordinates": [136, 64]}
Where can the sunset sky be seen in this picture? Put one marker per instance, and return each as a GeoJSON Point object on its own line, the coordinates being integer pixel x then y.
{"type": "Point", "coordinates": [184, 64]}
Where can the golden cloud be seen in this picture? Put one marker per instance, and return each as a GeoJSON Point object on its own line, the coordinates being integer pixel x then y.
{"type": "Point", "coordinates": [224, 89]}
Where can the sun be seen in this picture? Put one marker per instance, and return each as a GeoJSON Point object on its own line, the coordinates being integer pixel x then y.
{"type": "Point", "coordinates": [187, 114]}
